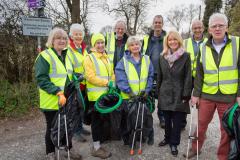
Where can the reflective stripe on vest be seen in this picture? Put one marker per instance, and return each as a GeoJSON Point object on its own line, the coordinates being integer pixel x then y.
{"type": "Point", "coordinates": [58, 75]}
{"type": "Point", "coordinates": [110, 48]}
{"type": "Point", "coordinates": [225, 77]}
{"type": "Point", "coordinates": [136, 84]}
{"type": "Point", "coordinates": [145, 44]}
{"type": "Point", "coordinates": [188, 44]}
{"type": "Point", "coordinates": [77, 61]}
{"type": "Point", "coordinates": [103, 71]}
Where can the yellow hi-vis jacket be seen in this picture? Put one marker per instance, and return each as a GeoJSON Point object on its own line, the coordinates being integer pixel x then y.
{"type": "Point", "coordinates": [188, 45]}
{"type": "Point", "coordinates": [145, 43]}
{"type": "Point", "coordinates": [103, 71]}
{"type": "Point", "coordinates": [110, 47]}
{"type": "Point", "coordinates": [58, 75]}
{"type": "Point", "coordinates": [136, 83]}
{"type": "Point", "coordinates": [77, 59]}
{"type": "Point", "coordinates": [225, 77]}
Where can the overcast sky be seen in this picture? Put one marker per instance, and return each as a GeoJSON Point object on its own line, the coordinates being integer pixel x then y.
{"type": "Point", "coordinates": [100, 19]}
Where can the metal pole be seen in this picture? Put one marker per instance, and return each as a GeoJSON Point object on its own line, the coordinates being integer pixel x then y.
{"type": "Point", "coordinates": [39, 48]}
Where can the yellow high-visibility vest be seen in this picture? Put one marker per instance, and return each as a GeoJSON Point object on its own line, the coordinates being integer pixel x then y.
{"type": "Point", "coordinates": [103, 71]}
{"type": "Point", "coordinates": [225, 77]}
{"type": "Point", "coordinates": [145, 43]}
{"type": "Point", "coordinates": [188, 45]}
{"type": "Point", "coordinates": [136, 83]}
{"type": "Point", "coordinates": [77, 59]}
{"type": "Point", "coordinates": [110, 47]}
{"type": "Point", "coordinates": [58, 75]}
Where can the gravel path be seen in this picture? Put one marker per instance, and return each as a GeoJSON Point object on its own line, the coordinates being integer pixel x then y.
{"type": "Point", "coordinates": [24, 140]}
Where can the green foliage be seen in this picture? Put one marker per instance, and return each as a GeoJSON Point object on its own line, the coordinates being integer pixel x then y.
{"type": "Point", "coordinates": [17, 99]}
{"type": "Point", "coordinates": [234, 28]}
{"type": "Point", "coordinates": [212, 6]}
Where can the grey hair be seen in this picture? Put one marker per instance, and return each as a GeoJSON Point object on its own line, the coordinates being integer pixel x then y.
{"type": "Point", "coordinates": [76, 27]}
{"type": "Point", "coordinates": [218, 16]}
{"type": "Point", "coordinates": [52, 35]}
{"type": "Point", "coordinates": [133, 39]}
{"type": "Point", "coordinates": [158, 16]}
{"type": "Point", "coordinates": [120, 22]}
{"type": "Point", "coordinates": [196, 21]}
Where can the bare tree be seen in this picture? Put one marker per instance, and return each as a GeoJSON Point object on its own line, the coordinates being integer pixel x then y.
{"type": "Point", "coordinates": [191, 13]}
{"type": "Point", "coordinates": [182, 15]}
{"type": "Point", "coordinates": [176, 16]}
{"type": "Point", "coordinates": [133, 11]}
{"type": "Point", "coordinates": [74, 8]}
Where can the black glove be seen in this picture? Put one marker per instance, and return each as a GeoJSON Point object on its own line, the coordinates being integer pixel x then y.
{"type": "Point", "coordinates": [144, 95]}
{"type": "Point", "coordinates": [132, 95]}
{"type": "Point", "coordinates": [186, 99]}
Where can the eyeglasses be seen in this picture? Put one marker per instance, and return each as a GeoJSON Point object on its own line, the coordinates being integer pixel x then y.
{"type": "Point", "coordinates": [220, 26]}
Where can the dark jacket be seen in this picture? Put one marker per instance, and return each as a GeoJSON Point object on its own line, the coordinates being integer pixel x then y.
{"type": "Point", "coordinates": [198, 81]}
{"type": "Point", "coordinates": [175, 84]}
{"type": "Point", "coordinates": [155, 48]}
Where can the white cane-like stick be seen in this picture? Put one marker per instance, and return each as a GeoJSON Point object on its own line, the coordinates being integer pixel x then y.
{"type": "Point", "coordinates": [190, 131]}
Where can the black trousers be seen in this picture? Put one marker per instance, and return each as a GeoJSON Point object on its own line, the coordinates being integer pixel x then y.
{"type": "Point", "coordinates": [79, 126]}
{"type": "Point", "coordinates": [98, 125]}
{"type": "Point", "coordinates": [49, 116]}
{"type": "Point", "coordinates": [173, 124]}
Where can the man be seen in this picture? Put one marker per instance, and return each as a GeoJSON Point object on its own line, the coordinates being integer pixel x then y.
{"type": "Point", "coordinates": [153, 46]}
{"type": "Point", "coordinates": [192, 46]}
{"type": "Point", "coordinates": [216, 83]}
{"type": "Point", "coordinates": [116, 42]}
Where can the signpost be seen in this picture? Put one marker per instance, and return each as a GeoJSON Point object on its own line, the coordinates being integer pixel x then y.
{"type": "Point", "coordinates": [36, 26]}
{"type": "Point", "coordinates": [34, 4]}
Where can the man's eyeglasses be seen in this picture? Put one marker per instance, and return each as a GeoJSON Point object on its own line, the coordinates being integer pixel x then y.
{"type": "Point", "coordinates": [220, 26]}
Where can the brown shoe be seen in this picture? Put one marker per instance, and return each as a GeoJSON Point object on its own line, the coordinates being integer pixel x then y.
{"type": "Point", "coordinates": [101, 153]}
{"type": "Point", "coordinates": [191, 154]}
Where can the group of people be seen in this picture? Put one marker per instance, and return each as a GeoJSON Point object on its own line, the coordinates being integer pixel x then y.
{"type": "Point", "coordinates": [198, 71]}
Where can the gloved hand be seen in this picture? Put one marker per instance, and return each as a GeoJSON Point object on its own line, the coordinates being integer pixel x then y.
{"type": "Point", "coordinates": [144, 94]}
{"type": "Point", "coordinates": [110, 84]}
{"type": "Point", "coordinates": [132, 95]}
{"type": "Point", "coordinates": [61, 98]}
{"type": "Point", "coordinates": [186, 99]}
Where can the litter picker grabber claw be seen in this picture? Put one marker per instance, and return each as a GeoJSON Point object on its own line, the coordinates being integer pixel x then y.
{"type": "Point", "coordinates": [137, 128]}
{"type": "Point", "coordinates": [141, 134]}
{"type": "Point", "coordinates": [193, 129]}
{"type": "Point", "coordinates": [66, 135]}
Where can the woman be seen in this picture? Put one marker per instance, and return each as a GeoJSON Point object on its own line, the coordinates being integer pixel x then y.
{"type": "Point", "coordinates": [174, 84]}
{"type": "Point", "coordinates": [141, 71]}
{"type": "Point", "coordinates": [53, 71]}
{"type": "Point", "coordinates": [99, 76]}
{"type": "Point", "coordinates": [77, 52]}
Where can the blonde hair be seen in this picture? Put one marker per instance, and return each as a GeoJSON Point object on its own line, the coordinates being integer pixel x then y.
{"type": "Point", "coordinates": [133, 39]}
{"type": "Point", "coordinates": [176, 35]}
{"type": "Point", "coordinates": [55, 31]}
